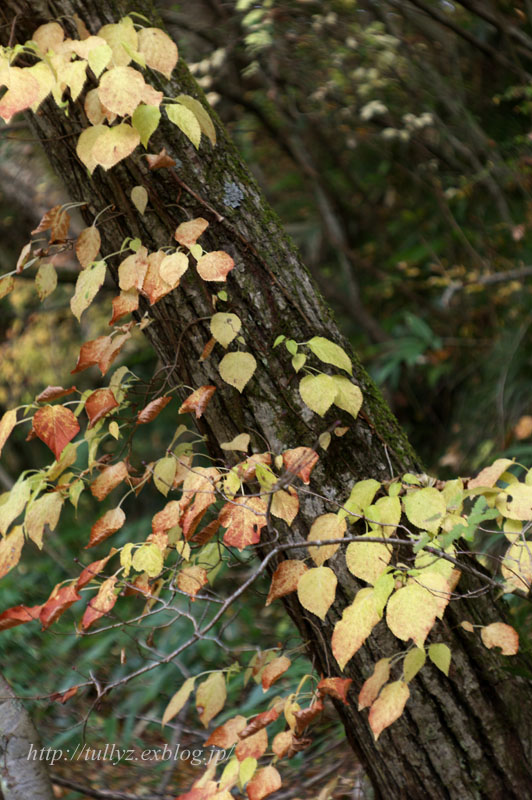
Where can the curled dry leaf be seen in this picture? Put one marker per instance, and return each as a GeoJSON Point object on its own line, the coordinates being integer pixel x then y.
{"type": "Point", "coordinates": [258, 722]}
{"type": "Point", "coordinates": [160, 160]}
{"type": "Point", "coordinates": [93, 569]}
{"type": "Point", "coordinates": [152, 410]}
{"type": "Point", "coordinates": [198, 401]}
{"type": "Point", "coordinates": [61, 598]}
{"type": "Point", "coordinates": [56, 426]}
{"type": "Point", "coordinates": [335, 687]}
{"type": "Point", "coordinates": [101, 352]}
{"type": "Point", "coordinates": [53, 393]}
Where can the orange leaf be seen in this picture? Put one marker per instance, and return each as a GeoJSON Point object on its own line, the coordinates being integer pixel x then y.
{"type": "Point", "coordinates": [205, 534]}
{"type": "Point", "coordinates": [101, 603]}
{"type": "Point", "coordinates": [154, 286]}
{"type": "Point", "coordinates": [207, 350]}
{"type": "Point", "coordinates": [99, 404]}
{"type": "Point", "coordinates": [124, 303]}
{"type": "Point", "coordinates": [111, 522]}
{"type": "Point", "coordinates": [61, 598]}
{"type": "Point", "coordinates": [88, 245]}
{"type": "Point", "coordinates": [301, 461]}
{"type": "Point", "coordinates": [56, 426]}
{"type": "Point", "coordinates": [198, 484]}
{"type": "Point", "coordinates": [253, 746]}
{"type": "Point", "coordinates": [388, 706]}
{"type": "Point", "coordinates": [191, 579]}
{"type": "Point", "coordinates": [18, 615]}
{"type": "Point", "coordinates": [307, 715]}
{"type": "Point", "coordinates": [160, 161]}
{"type": "Point", "coordinates": [227, 734]}
{"type": "Point", "coordinates": [244, 519]}
{"type": "Point", "coordinates": [91, 570]}
{"type": "Point", "coordinates": [198, 401]}
{"type": "Point", "coordinates": [167, 517]}
{"type": "Point", "coordinates": [335, 687]}
{"type": "Point", "coordinates": [498, 634]}
{"type": "Point", "coordinates": [62, 697]}
{"type": "Point", "coordinates": [274, 670]}
{"type": "Point", "coordinates": [152, 410]}
{"type": "Point", "coordinates": [285, 579]}
{"type": "Point", "coordinates": [108, 479]}
{"type": "Point", "coordinates": [53, 393]}
{"type": "Point", "coordinates": [374, 683]}
{"type": "Point", "coordinates": [215, 266]}
{"type": "Point", "coordinates": [264, 782]}
{"type": "Point", "coordinates": [101, 351]}
{"type": "Point", "coordinates": [188, 233]}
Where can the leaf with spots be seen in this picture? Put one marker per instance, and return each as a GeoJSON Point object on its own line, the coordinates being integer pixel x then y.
{"type": "Point", "coordinates": [244, 519]}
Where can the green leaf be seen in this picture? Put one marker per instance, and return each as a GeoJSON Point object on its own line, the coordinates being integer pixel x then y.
{"type": "Point", "coordinates": [348, 396]}
{"type": "Point", "coordinates": [413, 662]}
{"type": "Point", "coordinates": [149, 559]}
{"type": "Point", "coordinates": [330, 353]}
{"type": "Point", "coordinates": [145, 120]}
{"type": "Point", "coordinates": [201, 114]}
{"type": "Point", "coordinates": [440, 655]}
{"type": "Point", "coordinates": [186, 121]}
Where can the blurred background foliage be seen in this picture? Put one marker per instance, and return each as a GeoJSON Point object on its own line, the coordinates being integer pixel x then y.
{"type": "Point", "coordinates": [393, 137]}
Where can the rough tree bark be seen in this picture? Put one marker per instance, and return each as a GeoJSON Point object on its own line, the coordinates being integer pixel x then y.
{"type": "Point", "coordinates": [20, 777]}
{"type": "Point", "coordinates": [465, 737]}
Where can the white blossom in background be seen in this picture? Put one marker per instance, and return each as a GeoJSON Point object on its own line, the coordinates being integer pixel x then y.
{"type": "Point", "coordinates": [372, 109]}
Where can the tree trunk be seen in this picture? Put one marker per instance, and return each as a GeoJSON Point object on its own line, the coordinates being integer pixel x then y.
{"type": "Point", "coordinates": [21, 777]}
{"type": "Point", "coordinates": [465, 737]}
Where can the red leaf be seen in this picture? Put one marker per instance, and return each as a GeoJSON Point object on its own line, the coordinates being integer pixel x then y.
{"type": "Point", "coordinates": [244, 519]}
{"type": "Point", "coordinates": [99, 404]}
{"type": "Point", "coordinates": [91, 570]}
{"type": "Point", "coordinates": [285, 579]}
{"type": "Point", "coordinates": [18, 615]}
{"type": "Point", "coordinates": [60, 600]}
{"type": "Point", "coordinates": [335, 687]}
{"type": "Point", "coordinates": [101, 351]}
{"type": "Point", "coordinates": [252, 747]}
{"type": "Point", "coordinates": [124, 303]}
{"type": "Point", "coordinates": [301, 461]}
{"type": "Point", "coordinates": [205, 534]}
{"type": "Point", "coordinates": [111, 522]}
{"type": "Point", "coordinates": [53, 393]}
{"type": "Point", "coordinates": [167, 517]}
{"type": "Point", "coordinates": [56, 426]}
{"type": "Point", "coordinates": [227, 734]}
{"type": "Point", "coordinates": [152, 410]}
{"type": "Point", "coordinates": [257, 723]}
{"type": "Point", "coordinates": [307, 715]}
{"type": "Point", "coordinates": [198, 401]}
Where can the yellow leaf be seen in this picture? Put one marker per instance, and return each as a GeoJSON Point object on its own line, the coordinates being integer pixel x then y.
{"type": "Point", "coordinates": [45, 280]}
{"type": "Point", "coordinates": [414, 661]}
{"type": "Point", "coordinates": [210, 697]}
{"type": "Point", "coordinates": [117, 35]}
{"type": "Point", "coordinates": [316, 590]}
{"type": "Point", "coordinates": [17, 498]}
{"type": "Point", "coordinates": [99, 57]}
{"type": "Point", "coordinates": [367, 560]}
{"type": "Point", "coordinates": [88, 245]}
{"type": "Point", "coordinates": [388, 706]}
{"type": "Point", "coordinates": [87, 286]}
{"type": "Point", "coordinates": [489, 476]}
{"type": "Point", "coordinates": [173, 267]}
{"type": "Point", "coordinates": [425, 508]}
{"type": "Point", "coordinates": [518, 505]}
{"type": "Point", "coordinates": [327, 526]}
{"type": "Point", "coordinates": [86, 142]}
{"type": "Point", "coordinates": [440, 655]}
{"type": "Point", "coordinates": [145, 120]}
{"type": "Point", "coordinates": [285, 504]}
{"type": "Point", "coordinates": [330, 353]}
{"type": "Point", "coordinates": [178, 701]}
{"type": "Point", "coordinates": [139, 198]}
{"type": "Point", "coordinates": [348, 396]}
{"type": "Point", "coordinates": [240, 442]}
{"type": "Point", "coordinates": [359, 499]}
{"type": "Point", "coordinates": [498, 634]}
{"type": "Point", "coordinates": [43, 511]}
{"type": "Point", "coordinates": [517, 566]}
{"type": "Point", "coordinates": [201, 114]}
{"type": "Point", "coordinates": [164, 474]}
{"type": "Point", "coordinates": [186, 121]}
{"type": "Point", "coordinates": [318, 392]}
{"type": "Point", "coordinates": [120, 90]}
{"type": "Point", "coordinates": [114, 144]}
{"type": "Point", "coordinates": [148, 558]}
{"type": "Point", "coordinates": [159, 51]}
{"type": "Point", "coordinates": [237, 369]}
{"type": "Point", "coordinates": [411, 613]}
{"type": "Point", "coordinates": [7, 423]}
{"type": "Point", "coordinates": [10, 550]}
{"type": "Point", "coordinates": [225, 327]}
{"type": "Point", "coordinates": [358, 620]}
{"type": "Point", "coordinates": [384, 516]}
